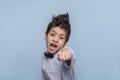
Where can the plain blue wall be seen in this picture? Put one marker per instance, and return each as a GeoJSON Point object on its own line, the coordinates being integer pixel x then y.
{"type": "Point", "coordinates": [95, 37]}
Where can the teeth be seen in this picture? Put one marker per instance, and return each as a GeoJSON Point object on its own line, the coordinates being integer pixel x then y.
{"type": "Point", "coordinates": [54, 45]}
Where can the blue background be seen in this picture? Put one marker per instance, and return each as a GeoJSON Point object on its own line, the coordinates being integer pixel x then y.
{"type": "Point", "coordinates": [95, 37]}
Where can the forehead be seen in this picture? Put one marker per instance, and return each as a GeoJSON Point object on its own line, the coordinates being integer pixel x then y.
{"type": "Point", "coordinates": [58, 30]}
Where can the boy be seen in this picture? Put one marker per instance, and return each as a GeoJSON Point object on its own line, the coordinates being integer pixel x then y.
{"type": "Point", "coordinates": [58, 61]}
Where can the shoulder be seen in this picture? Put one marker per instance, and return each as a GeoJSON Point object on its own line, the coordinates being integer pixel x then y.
{"type": "Point", "coordinates": [71, 50]}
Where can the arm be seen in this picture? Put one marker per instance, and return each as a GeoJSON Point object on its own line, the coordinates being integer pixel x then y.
{"type": "Point", "coordinates": [67, 55]}
{"type": "Point", "coordinates": [68, 69]}
{"type": "Point", "coordinates": [43, 76]}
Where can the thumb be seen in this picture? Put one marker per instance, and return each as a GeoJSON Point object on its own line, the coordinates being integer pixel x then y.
{"type": "Point", "coordinates": [58, 57]}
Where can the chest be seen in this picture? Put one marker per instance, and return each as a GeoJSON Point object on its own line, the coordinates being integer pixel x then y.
{"type": "Point", "coordinates": [52, 65]}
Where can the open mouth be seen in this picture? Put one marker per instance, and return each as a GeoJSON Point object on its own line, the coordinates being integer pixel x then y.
{"type": "Point", "coordinates": [53, 46]}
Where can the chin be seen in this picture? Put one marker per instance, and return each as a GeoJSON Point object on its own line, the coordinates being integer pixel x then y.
{"type": "Point", "coordinates": [53, 52]}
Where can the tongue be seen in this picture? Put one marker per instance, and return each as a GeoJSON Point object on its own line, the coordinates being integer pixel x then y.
{"type": "Point", "coordinates": [52, 48]}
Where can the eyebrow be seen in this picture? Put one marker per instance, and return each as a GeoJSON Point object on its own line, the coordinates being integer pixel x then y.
{"type": "Point", "coordinates": [56, 32]}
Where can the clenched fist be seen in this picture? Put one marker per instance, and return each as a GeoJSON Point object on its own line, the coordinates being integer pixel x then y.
{"type": "Point", "coordinates": [64, 54]}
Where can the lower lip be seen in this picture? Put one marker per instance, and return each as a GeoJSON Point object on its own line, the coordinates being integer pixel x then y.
{"type": "Point", "coordinates": [52, 48]}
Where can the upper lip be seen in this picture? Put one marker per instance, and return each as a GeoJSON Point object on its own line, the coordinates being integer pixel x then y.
{"type": "Point", "coordinates": [53, 44]}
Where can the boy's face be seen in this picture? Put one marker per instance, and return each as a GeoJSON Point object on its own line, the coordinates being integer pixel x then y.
{"type": "Point", "coordinates": [55, 39]}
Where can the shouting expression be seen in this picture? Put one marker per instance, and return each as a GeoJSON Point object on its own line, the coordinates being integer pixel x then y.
{"type": "Point", "coordinates": [55, 39]}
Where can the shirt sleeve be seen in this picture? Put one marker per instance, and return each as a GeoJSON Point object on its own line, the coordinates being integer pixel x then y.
{"type": "Point", "coordinates": [43, 76]}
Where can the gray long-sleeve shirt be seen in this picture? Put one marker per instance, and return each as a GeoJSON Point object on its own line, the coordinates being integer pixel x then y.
{"type": "Point", "coordinates": [53, 69]}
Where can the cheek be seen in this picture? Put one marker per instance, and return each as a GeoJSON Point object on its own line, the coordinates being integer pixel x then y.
{"type": "Point", "coordinates": [47, 39]}
{"type": "Point", "coordinates": [61, 44]}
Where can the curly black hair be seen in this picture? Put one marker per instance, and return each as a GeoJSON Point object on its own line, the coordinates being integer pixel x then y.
{"type": "Point", "coordinates": [61, 21]}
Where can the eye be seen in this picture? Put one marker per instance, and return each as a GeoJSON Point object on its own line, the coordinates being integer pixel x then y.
{"type": "Point", "coordinates": [62, 38]}
{"type": "Point", "coordinates": [52, 34]}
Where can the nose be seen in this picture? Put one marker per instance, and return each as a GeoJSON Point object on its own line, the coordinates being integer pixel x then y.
{"type": "Point", "coordinates": [55, 39]}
